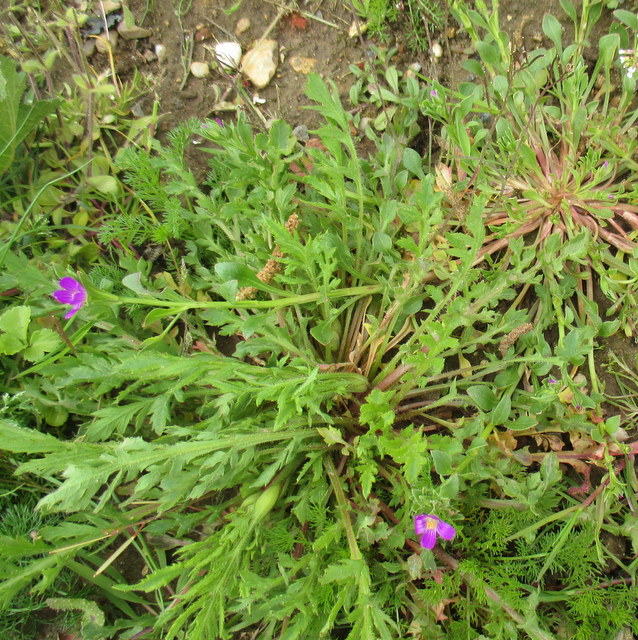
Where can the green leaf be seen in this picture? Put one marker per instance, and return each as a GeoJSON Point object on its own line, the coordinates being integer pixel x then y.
{"type": "Point", "coordinates": [576, 247]}
{"type": "Point", "coordinates": [328, 104]}
{"type": "Point", "coordinates": [522, 422]}
{"type": "Point", "coordinates": [474, 67]}
{"type": "Point", "coordinates": [502, 410]}
{"type": "Point", "coordinates": [569, 9]}
{"type": "Point", "coordinates": [332, 436]}
{"type": "Point", "coordinates": [324, 333]}
{"type": "Point", "coordinates": [500, 85]}
{"type": "Point", "coordinates": [413, 162]}
{"type": "Point", "coordinates": [442, 462]}
{"type": "Point", "coordinates": [281, 137]}
{"type": "Point", "coordinates": [244, 276]}
{"type": "Point", "coordinates": [607, 47]}
{"type": "Point", "coordinates": [133, 281]}
{"type": "Point", "coordinates": [483, 397]}
{"type": "Point", "coordinates": [155, 580]}
{"type": "Point", "coordinates": [41, 341]}
{"type": "Point", "coordinates": [392, 77]}
{"type": "Point", "coordinates": [627, 17]}
{"type": "Point", "coordinates": [489, 53]}
{"type": "Point", "coordinates": [576, 345]}
{"type": "Point", "coordinates": [10, 345]}
{"type": "Point", "coordinates": [15, 323]}
{"type": "Point", "coordinates": [382, 242]}
{"type": "Point", "coordinates": [107, 185]}
{"type": "Point", "coordinates": [553, 30]}
{"type": "Point", "coordinates": [608, 328]}
{"type": "Point", "coordinates": [450, 488]}
{"type": "Point", "coordinates": [343, 571]}
{"type": "Point", "coordinates": [232, 9]}
{"type": "Point", "coordinates": [17, 120]}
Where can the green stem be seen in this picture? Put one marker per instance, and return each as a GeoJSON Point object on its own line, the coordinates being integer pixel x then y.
{"type": "Point", "coordinates": [355, 553]}
{"type": "Point", "coordinates": [290, 301]}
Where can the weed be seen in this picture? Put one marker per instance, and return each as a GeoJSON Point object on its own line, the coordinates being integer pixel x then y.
{"type": "Point", "coordinates": [327, 402]}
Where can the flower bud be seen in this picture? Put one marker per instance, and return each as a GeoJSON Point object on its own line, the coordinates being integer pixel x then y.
{"type": "Point", "coordinates": [266, 501]}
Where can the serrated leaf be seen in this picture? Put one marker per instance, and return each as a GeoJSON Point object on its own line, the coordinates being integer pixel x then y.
{"type": "Point", "coordinates": [17, 120]}
{"type": "Point", "coordinates": [155, 580]}
{"type": "Point", "coordinates": [331, 436]}
{"type": "Point", "coordinates": [342, 571]}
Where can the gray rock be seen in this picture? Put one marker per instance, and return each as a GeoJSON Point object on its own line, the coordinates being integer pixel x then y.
{"type": "Point", "coordinates": [301, 133]}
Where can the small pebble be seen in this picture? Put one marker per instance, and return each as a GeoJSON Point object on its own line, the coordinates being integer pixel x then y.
{"type": "Point", "coordinates": [243, 24]}
{"type": "Point", "coordinates": [200, 69]}
{"type": "Point", "coordinates": [133, 32]}
{"type": "Point", "coordinates": [160, 52]}
{"type": "Point", "coordinates": [228, 54]}
{"type": "Point", "coordinates": [89, 47]}
{"type": "Point", "coordinates": [301, 133]}
{"type": "Point", "coordinates": [412, 70]}
{"type": "Point", "coordinates": [203, 33]}
{"type": "Point", "coordinates": [437, 50]}
{"type": "Point", "coordinates": [303, 65]}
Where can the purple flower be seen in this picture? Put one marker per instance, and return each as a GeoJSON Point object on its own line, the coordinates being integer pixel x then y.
{"type": "Point", "coordinates": [71, 292]}
{"type": "Point", "coordinates": [429, 527]}
{"type": "Point", "coordinates": [434, 94]}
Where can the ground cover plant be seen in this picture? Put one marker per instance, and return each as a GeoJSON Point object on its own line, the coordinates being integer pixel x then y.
{"type": "Point", "coordinates": [318, 393]}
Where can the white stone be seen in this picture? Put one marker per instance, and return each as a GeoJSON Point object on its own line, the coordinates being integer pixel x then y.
{"type": "Point", "coordinates": [260, 63]}
{"type": "Point", "coordinates": [160, 52]}
{"type": "Point", "coordinates": [200, 69]}
{"type": "Point", "coordinates": [228, 54]}
{"type": "Point", "coordinates": [437, 50]}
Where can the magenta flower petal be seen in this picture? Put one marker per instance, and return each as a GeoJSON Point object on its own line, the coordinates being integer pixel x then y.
{"type": "Point", "coordinates": [428, 527]}
{"type": "Point", "coordinates": [445, 530]}
{"type": "Point", "coordinates": [428, 539]}
{"type": "Point", "coordinates": [71, 292]}
{"type": "Point", "coordinates": [63, 296]}
{"type": "Point", "coordinates": [419, 524]}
